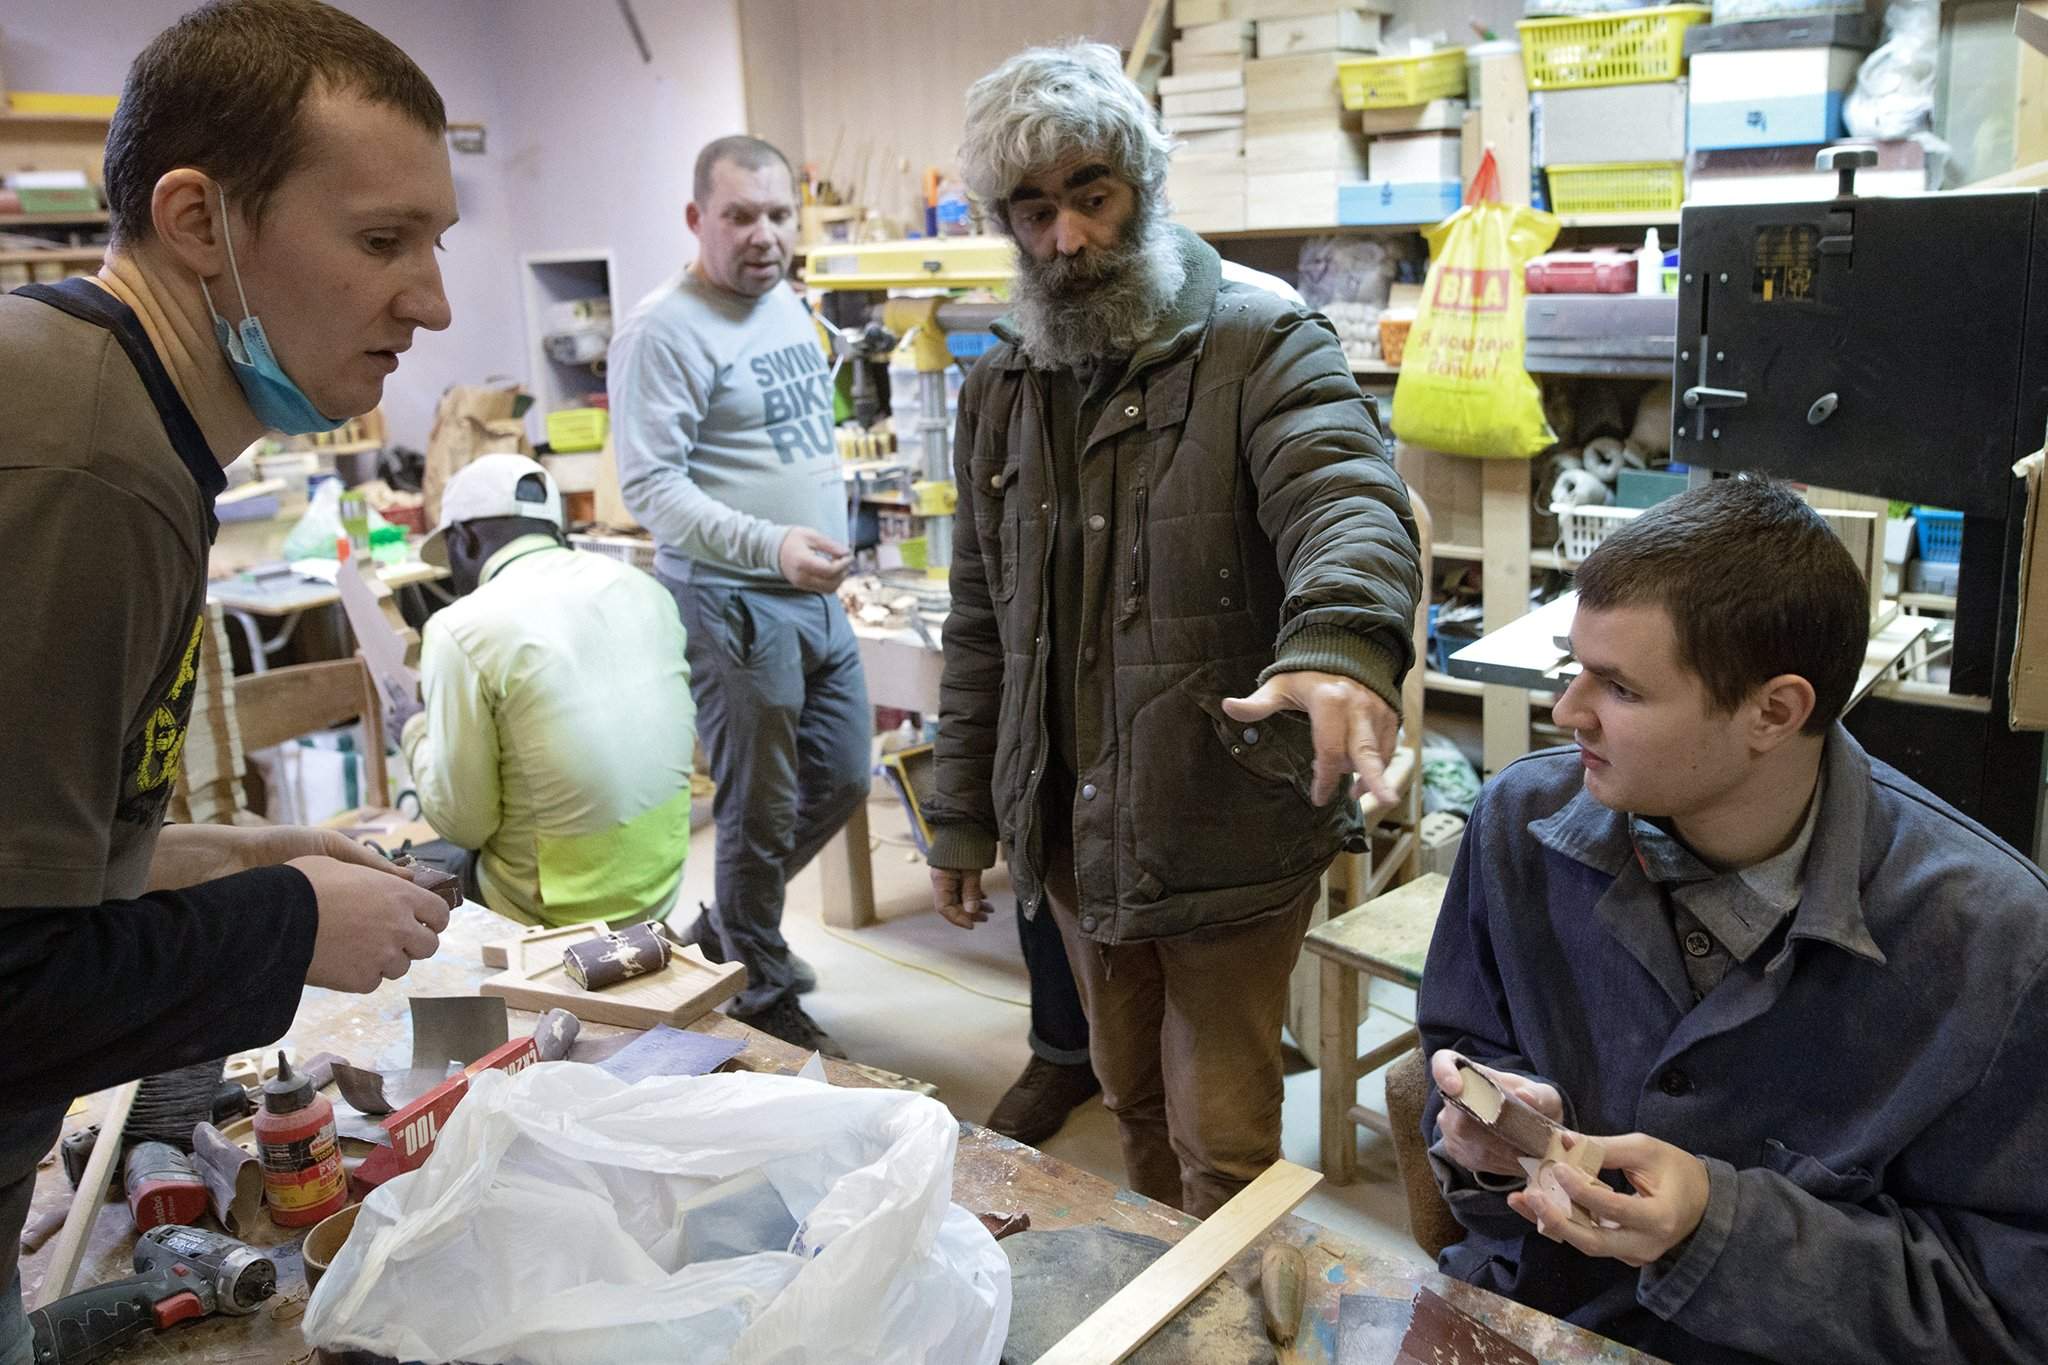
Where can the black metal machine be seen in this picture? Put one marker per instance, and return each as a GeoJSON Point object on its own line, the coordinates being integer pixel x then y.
{"type": "Point", "coordinates": [1895, 347]}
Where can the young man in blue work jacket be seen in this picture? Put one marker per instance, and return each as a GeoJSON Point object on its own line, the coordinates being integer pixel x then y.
{"type": "Point", "coordinates": [1800, 1001]}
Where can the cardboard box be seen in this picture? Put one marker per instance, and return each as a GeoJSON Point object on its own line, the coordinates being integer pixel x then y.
{"type": "Point", "coordinates": [2030, 652]}
{"type": "Point", "coordinates": [1438, 116]}
{"type": "Point", "coordinates": [1352, 30]}
{"type": "Point", "coordinates": [1770, 99]}
{"type": "Point", "coordinates": [1609, 124]}
{"type": "Point", "coordinates": [1284, 85]}
{"type": "Point", "coordinates": [1417, 156]}
{"type": "Point", "coordinates": [1452, 485]}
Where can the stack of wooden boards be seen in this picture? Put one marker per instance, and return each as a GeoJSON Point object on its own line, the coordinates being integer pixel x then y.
{"type": "Point", "coordinates": [1253, 101]}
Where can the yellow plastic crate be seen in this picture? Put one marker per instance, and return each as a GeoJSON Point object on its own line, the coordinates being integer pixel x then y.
{"type": "Point", "coordinates": [1391, 82]}
{"type": "Point", "coordinates": [1628, 47]}
{"type": "Point", "coordinates": [1619, 187]}
{"type": "Point", "coordinates": [576, 429]}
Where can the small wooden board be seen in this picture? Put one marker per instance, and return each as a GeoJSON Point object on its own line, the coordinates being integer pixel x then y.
{"type": "Point", "coordinates": [687, 989]}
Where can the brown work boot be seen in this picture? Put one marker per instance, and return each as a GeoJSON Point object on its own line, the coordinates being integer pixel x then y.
{"type": "Point", "coordinates": [787, 1020]}
{"type": "Point", "coordinates": [1038, 1104]}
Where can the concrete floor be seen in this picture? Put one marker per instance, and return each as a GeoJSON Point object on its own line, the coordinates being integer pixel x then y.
{"type": "Point", "coordinates": [915, 995]}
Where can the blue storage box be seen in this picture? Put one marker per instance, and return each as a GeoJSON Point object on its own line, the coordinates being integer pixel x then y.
{"type": "Point", "coordinates": [1940, 534]}
{"type": "Point", "coordinates": [1379, 203]}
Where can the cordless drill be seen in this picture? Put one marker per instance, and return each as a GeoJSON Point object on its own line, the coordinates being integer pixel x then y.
{"type": "Point", "coordinates": [184, 1273]}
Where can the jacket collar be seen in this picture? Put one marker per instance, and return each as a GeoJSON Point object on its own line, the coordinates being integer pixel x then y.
{"type": "Point", "coordinates": [519, 548]}
{"type": "Point", "coordinates": [1831, 908]}
{"type": "Point", "coordinates": [1183, 324]}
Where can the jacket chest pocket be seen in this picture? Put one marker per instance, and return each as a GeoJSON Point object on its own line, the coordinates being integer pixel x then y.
{"type": "Point", "coordinates": [998, 522]}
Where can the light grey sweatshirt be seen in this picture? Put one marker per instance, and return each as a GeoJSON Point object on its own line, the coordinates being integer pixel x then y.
{"type": "Point", "coordinates": [722, 422]}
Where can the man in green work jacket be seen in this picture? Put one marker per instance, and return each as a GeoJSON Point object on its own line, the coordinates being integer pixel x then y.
{"type": "Point", "coordinates": [1182, 594]}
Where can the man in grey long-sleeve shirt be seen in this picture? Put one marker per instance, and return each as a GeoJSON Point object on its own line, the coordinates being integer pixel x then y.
{"type": "Point", "coordinates": [721, 405]}
{"type": "Point", "coordinates": [1801, 1002]}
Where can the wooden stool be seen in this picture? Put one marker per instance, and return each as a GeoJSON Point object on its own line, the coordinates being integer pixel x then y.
{"type": "Point", "coordinates": [1387, 937]}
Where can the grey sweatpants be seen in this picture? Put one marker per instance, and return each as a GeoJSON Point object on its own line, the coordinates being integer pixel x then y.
{"type": "Point", "coordinates": [782, 712]}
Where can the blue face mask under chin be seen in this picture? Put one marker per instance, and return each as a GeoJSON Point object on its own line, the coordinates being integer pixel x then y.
{"type": "Point", "coordinates": [277, 402]}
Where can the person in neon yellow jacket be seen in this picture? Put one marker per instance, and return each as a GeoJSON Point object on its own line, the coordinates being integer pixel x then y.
{"type": "Point", "coordinates": [557, 729]}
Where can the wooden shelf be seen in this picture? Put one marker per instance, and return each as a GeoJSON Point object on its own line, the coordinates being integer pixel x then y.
{"type": "Point", "coordinates": [10, 116]}
{"type": "Point", "coordinates": [1434, 681]}
{"type": "Point", "coordinates": [14, 220]}
{"type": "Point", "coordinates": [1606, 220]}
{"type": "Point", "coordinates": [1474, 554]}
{"type": "Point", "coordinates": [82, 253]}
{"type": "Point", "coordinates": [1328, 229]}
{"type": "Point", "coordinates": [1373, 369]}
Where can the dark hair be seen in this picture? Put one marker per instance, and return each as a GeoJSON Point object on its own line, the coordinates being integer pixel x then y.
{"type": "Point", "coordinates": [748, 153]}
{"type": "Point", "coordinates": [1755, 583]}
{"type": "Point", "coordinates": [221, 91]}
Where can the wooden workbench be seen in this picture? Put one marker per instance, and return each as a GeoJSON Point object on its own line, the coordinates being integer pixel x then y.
{"type": "Point", "coordinates": [991, 1173]}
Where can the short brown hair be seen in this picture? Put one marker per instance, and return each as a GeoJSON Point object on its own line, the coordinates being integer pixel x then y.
{"type": "Point", "coordinates": [748, 153]}
{"type": "Point", "coordinates": [1755, 583]}
{"type": "Point", "coordinates": [221, 90]}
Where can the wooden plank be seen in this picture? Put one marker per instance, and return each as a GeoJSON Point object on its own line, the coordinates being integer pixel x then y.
{"type": "Point", "coordinates": [1234, 37]}
{"type": "Point", "coordinates": [1503, 119]}
{"type": "Point", "coordinates": [2030, 104]}
{"type": "Point", "coordinates": [1338, 1061]}
{"type": "Point", "coordinates": [1388, 936]}
{"type": "Point", "coordinates": [1228, 100]}
{"type": "Point", "coordinates": [1195, 63]}
{"type": "Point", "coordinates": [687, 989]}
{"type": "Point", "coordinates": [1113, 1331]}
{"type": "Point", "coordinates": [62, 1270]}
{"type": "Point", "coordinates": [497, 953]}
{"type": "Point", "coordinates": [1504, 589]}
{"type": "Point", "coordinates": [1200, 81]}
{"type": "Point", "coordinates": [848, 869]}
{"type": "Point", "coordinates": [1218, 11]}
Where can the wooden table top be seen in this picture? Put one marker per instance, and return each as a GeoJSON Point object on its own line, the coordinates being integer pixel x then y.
{"type": "Point", "coordinates": [991, 1173]}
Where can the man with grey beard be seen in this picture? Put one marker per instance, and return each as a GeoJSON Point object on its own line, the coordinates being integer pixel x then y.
{"type": "Point", "coordinates": [1183, 583]}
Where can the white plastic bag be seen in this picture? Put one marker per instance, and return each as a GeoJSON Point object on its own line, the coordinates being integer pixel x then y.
{"type": "Point", "coordinates": [542, 1229]}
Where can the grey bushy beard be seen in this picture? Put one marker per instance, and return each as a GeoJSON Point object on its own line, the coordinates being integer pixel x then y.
{"type": "Point", "coordinates": [1073, 309]}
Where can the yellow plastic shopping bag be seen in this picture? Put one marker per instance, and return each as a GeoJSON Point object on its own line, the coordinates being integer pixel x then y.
{"type": "Point", "coordinates": [1462, 386]}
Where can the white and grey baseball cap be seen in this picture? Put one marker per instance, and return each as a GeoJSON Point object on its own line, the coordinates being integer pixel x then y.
{"type": "Point", "coordinates": [493, 486]}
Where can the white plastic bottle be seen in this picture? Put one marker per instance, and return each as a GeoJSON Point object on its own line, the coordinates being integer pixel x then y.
{"type": "Point", "coordinates": [1650, 265]}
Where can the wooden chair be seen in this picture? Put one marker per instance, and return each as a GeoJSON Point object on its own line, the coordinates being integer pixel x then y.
{"type": "Point", "coordinates": [1430, 1221]}
{"type": "Point", "coordinates": [284, 703]}
{"type": "Point", "coordinates": [1387, 937]}
{"type": "Point", "coordinates": [1394, 840]}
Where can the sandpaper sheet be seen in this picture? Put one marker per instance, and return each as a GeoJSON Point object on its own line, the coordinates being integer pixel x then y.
{"type": "Point", "coordinates": [665, 1051]}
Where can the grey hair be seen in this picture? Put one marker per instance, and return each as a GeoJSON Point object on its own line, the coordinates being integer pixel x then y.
{"type": "Point", "coordinates": [1048, 104]}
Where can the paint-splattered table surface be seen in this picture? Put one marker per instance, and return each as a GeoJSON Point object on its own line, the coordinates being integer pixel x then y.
{"type": "Point", "coordinates": [990, 1174]}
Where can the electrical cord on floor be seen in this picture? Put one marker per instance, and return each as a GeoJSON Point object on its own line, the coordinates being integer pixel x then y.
{"type": "Point", "coordinates": [853, 942]}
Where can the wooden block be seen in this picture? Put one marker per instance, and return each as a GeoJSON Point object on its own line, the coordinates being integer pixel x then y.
{"type": "Point", "coordinates": [1305, 142]}
{"type": "Point", "coordinates": [1349, 30]}
{"type": "Point", "coordinates": [1197, 82]}
{"type": "Point", "coordinates": [534, 979]}
{"type": "Point", "coordinates": [1216, 142]}
{"type": "Point", "coordinates": [1229, 100]}
{"type": "Point", "coordinates": [1219, 218]}
{"type": "Point", "coordinates": [1203, 123]}
{"type": "Point", "coordinates": [1232, 36]}
{"type": "Point", "coordinates": [1413, 156]}
{"type": "Point", "coordinates": [1278, 85]}
{"type": "Point", "coordinates": [1450, 485]}
{"type": "Point", "coordinates": [1194, 63]}
{"type": "Point", "coordinates": [1118, 1328]}
{"type": "Point", "coordinates": [1438, 116]}
{"type": "Point", "coordinates": [1291, 199]}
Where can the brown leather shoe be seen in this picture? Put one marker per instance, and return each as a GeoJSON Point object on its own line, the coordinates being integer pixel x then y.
{"type": "Point", "coordinates": [1038, 1104]}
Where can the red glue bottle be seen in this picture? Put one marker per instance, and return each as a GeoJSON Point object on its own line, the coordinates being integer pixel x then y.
{"type": "Point", "coordinates": [303, 1181]}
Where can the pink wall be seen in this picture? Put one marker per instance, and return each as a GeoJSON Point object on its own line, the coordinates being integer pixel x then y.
{"type": "Point", "coordinates": [587, 145]}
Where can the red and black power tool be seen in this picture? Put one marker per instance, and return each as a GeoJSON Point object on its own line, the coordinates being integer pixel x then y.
{"type": "Point", "coordinates": [184, 1273]}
